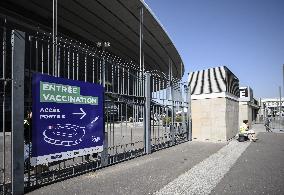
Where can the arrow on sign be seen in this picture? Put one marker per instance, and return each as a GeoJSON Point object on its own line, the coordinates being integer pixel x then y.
{"type": "Point", "coordinates": [83, 113]}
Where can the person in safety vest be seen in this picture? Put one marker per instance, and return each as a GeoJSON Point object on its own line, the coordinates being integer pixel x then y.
{"type": "Point", "coordinates": [244, 127]}
{"type": "Point", "coordinates": [244, 131]}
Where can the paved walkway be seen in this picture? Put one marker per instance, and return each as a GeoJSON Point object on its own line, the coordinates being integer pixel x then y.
{"type": "Point", "coordinates": [191, 168]}
{"type": "Point", "coordinates": [143, 175]}
{"type": "Point", "coordinates": [260, 169]}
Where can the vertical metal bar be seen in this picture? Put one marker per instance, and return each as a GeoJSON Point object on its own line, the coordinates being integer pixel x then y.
{"type": "Point", "coordinates": [172, 128]}
{"type": "Point", "coordinates": [53, 34]}
{"type": "Point", "coordinates": [133, 120]}
{"type": "Point", "coordinates": [141, 25]}
{"type": "Point", "coordinates": [147, 114]}
{"type": "Point", "coordinates": [189, 123]}
{"type": "Point", "coordinates": [128, 80]}
{"type": "Point", "coordinates": [118, 80]}
{"type": "Point", "coordinates": [126, 119]}
{"type": "Point", "coordinates": [93, 69]}
{"type": "Point", "coordinates": [42, 58]}
{"type": "Point", "coordinates": [279, 116]}
{"type": "Point", "coordinates": [58, 61]}
{"type": "Point", "coordinates": [99, 61]}
{"type": "Point", "coordinates": [112, 123]}
{"type": "Point", "coordinates": [3, 104]}
{"type": "Point", "coordinates": [55, 59]}
{"type": "Point", "coordinates": [155, 123]}
{"type": "Point", "coordinates": [77, 67]}
{"type": "Point", "coordinates": [283, 92]}
{"type": "Point", "coordinates": [64, 60]}
{"type": "Point", "coordinates": [133, 85]}
{"type": "Point", "coordinates": [159, 123]}
{"type": "Point", "coordinates": [141, 37]}
{"type": "Point", "coordinates": [48, 55]}
{"type": "Point", "coordinates": [123, 81]}
{"type": "Point", "coordinates": [68, 63]}
{"type": "Point", "coordinates": [104, 160]}
{"type": "Point", "coordinates": [103, 72]}
{"type": "Point", "coordinates": [73, 65]}
{"type": "Point", "coordinates": [18, 60]}
{"type": "Point", "coordinates": [86, 67]}
{"type": "Point", "coordinates": [97, 67]}
{"type": "Point", "coordinates": [112, 77]}
{"type": "Point", "coordinates": [120, 114]}
{"type": "Point", "coordinates": [36, 55]}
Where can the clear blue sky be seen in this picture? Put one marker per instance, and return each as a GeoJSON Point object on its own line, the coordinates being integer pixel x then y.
{"type": "Point", "coordinates": [245, 35]}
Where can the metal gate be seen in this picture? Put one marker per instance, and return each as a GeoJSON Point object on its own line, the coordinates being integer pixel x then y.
{"type": "Point", "coordinates": [169, 111]}
{"type": "Point", "coordinates": [143, 112]}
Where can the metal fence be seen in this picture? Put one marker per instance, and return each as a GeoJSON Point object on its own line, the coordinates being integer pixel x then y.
{"type": "Point", "coordinates": [169, 111]}
{"type": "Point", "coordinates": [124, 111]}
{"type": "Point", "coordinates": [277, 123]}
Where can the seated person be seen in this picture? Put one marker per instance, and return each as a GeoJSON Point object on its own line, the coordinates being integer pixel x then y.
{"type": "Point", "coordinates": [244, 131]}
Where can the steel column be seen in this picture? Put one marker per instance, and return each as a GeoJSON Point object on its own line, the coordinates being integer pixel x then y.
{"type": "Point", "coordinates": [18, 64]}
{"type": "Point", "coordinates": [189, 121]}
{"type": "Point", "coordinates": [172, 126]}
{"type": "Point", "coordinates": [141, 37]}
{"type": "Point", "coordinates": [3, 104]}
{"type": "Point", "coordinates": [104, 159]}
{"type": "Point", "coordinates": [147, 114]}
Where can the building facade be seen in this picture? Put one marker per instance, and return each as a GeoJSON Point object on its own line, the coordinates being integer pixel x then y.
{"type": "Point", "coordinates": [270, 107]}
{"type": "Point", "coordinates": [248, 106]}
{"type": "Point", "coordinates": [214, 104]}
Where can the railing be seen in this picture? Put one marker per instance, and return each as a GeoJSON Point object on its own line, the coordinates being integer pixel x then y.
{"type": "Point", "coordinates": [124, 106]}
{"type": "Point", "coordinates": [277, 123]}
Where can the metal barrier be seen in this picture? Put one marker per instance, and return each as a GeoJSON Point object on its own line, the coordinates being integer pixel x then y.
{"type": "Point", "coordinates": [277, 123]}
{"type": "Point", "coordinates": [133, 118]}
{"type": "Point", "coordinates": [169, 112]}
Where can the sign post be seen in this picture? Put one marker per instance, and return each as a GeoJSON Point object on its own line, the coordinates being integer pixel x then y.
{"type": "Point", "coordinates": [67, 119]}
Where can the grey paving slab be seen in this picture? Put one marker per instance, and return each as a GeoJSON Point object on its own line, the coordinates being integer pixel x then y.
{"type": "Point", "coordinates": [260, 169]}
{"type": "Point", "coordinates": [143, 175]}
{"type": "Point", "coordinates": [203, 177]}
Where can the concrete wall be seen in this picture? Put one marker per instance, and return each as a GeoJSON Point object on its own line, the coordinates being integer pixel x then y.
{"type": "Point", "coordinates": [245, 113]}
{"type": "Point", "coordinates": [214, 119]}
{"type": "Point", "coordinates": [232, 118]}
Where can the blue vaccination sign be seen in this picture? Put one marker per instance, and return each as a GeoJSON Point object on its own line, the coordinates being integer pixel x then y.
{"type": "Point", "coordinates": [67, 118]}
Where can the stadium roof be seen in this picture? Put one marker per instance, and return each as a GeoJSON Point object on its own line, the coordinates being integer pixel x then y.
{"type": "Point", "coordinates": [115, 21]}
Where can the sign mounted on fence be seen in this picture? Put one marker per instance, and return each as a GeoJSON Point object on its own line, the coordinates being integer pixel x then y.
{"type": "Point", "coordinates": [67, 119]}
